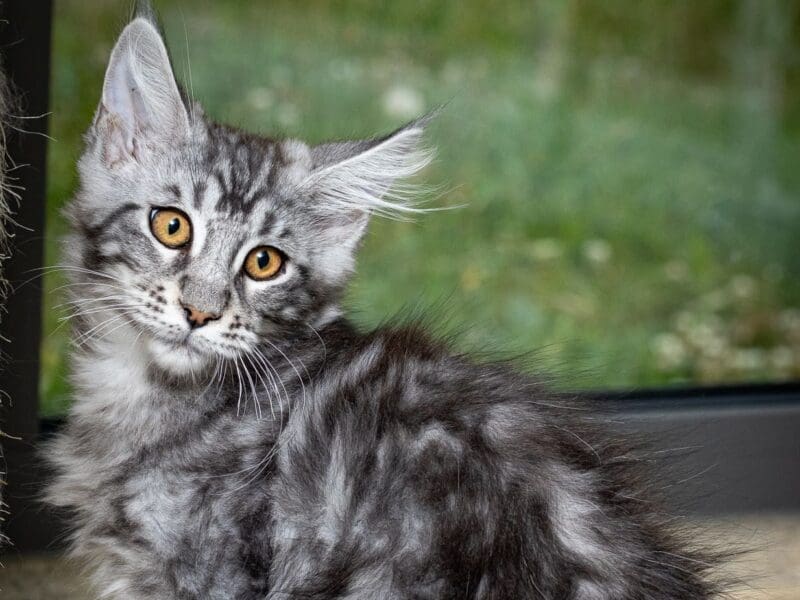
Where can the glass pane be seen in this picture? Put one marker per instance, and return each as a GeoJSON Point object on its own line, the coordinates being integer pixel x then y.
{"type": "Point", "coordinates": [627, 173]}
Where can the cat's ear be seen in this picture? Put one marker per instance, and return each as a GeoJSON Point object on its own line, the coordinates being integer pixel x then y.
{"type": "Point", "coordinates": [352, 180]}
{"type": "Point", "coordinates": [141, 104]}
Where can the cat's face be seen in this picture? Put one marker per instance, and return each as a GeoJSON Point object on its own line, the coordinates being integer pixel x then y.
{"type": "Point", "coordinates": [211, 242]}
{"type": "Point", "coordinates": [211, 255]}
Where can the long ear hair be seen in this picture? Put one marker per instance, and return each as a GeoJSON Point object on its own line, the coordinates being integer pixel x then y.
{"type": "Point", "coordinates": [351, 180]}
{"type": "Point", "coordinates": [368, 176]}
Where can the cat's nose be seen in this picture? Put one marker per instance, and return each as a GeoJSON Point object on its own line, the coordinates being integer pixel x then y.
{"type": "Point", "coordinates": [198, 318]}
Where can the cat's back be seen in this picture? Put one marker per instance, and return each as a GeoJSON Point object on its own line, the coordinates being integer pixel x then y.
{"type": "Point", "coordinates": [399, 388]}
{"type": "Point", "coordinates": [414, 472]}
{"type": "Point", "coordinates": [401, 469]}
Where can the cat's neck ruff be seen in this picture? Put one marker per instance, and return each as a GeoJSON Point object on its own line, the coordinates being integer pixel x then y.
{"type": "Point", "coordinates": [118, 386]}
{"type": "Point", "coordinates": [115, 366]}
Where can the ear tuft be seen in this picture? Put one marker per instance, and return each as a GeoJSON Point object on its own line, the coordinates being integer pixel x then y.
{"type": "Point", "coordinates": [141, 101]}
{"type": "Point", "coordinates": [363, 178]}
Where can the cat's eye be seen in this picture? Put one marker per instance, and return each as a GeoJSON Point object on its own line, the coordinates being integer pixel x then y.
{"type": "Point", "coordinates": [263, 263]}
{"type": "Point", "coordinates": [171, 227]}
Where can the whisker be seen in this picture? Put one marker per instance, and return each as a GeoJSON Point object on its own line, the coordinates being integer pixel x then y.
{"type": "Point", "coordinates": [263, 383]}
{"type": "Point", "coordinates": [86, 337]}
{"type": "Point", "coordinates": [44, 271]}
{"type": "Point", "coordinates": [92, 283]}
{"type": "Point", "coordinates": [256, 406]}
{"type": "Point", "coordinates": [86, 334]}
{"type": "Point", "coordinates": [222, 379]}
{"type": "Point", "coordinates": [84, 301]}
{"type": "Point", "coordinates": [213, 377]}
{"type": "Point", "coordinates": [270, 371]}
{"type": "Point", "coordinates": [321, 341]}
{"type": "Point", "coordinates": [291, 364]}
{"type": "Point", "coordinates": [73, 269]}
{"type": "Point", "coordinates": [258, 358]}
{"type": "Point", "coordinates": [98, 309]}
{"type": "Point", "coordinates": [119, 326]}
{"type": "Point", "coordinates": [239, 381]}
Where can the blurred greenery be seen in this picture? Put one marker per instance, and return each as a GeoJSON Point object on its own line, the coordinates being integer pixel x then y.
{"type": "Point", "coordinates": [628, 170]}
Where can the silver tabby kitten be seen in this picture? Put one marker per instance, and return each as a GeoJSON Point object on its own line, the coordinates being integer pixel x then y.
{"type": "Point", "coordinates": [233, 436]}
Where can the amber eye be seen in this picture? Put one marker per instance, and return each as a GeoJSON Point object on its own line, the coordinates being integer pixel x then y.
{"type": "Point", "coordinates": [263, 263]}
{"type": "Point", "coordinates": [171, 227]}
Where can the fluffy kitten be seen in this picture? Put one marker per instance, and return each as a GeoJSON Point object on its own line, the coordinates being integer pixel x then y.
{"type": "Point", "coordinates": [234, 436]}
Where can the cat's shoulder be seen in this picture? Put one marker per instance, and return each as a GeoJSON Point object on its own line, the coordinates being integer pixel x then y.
{"type": "Point", "coordinates": [406, 374]}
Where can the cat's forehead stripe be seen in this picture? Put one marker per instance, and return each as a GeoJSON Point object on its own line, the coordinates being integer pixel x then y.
{"type": "Point", "coordinates": [104, 225]}
{"type": "Point", "coordinates": [174, 189]}
{"type": "Point", "coordinates": [268, 224]}
{"type": "Point", "coordinates": [199, 190]}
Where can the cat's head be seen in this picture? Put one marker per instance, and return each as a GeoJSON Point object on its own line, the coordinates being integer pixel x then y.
{"type": "Point", "coordinates": [209, 240]}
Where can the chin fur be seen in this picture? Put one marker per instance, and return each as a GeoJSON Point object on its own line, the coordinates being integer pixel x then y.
{"type": "Point", "coordinates": [177, 359]}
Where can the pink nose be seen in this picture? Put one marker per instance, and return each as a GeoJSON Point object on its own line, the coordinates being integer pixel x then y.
{"type": "Point", "coordinates": [198, 318]}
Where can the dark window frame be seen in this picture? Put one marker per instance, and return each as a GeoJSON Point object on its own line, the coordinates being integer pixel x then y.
{"type": "Point", "coordinates": [738, 447]}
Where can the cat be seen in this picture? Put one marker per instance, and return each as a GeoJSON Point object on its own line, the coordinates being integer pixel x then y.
{"type": "Point", "coordinates": [233, 435]}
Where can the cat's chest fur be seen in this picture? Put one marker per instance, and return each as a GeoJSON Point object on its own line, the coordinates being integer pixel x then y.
{"type": "Point", "coordinates": [156, 475]}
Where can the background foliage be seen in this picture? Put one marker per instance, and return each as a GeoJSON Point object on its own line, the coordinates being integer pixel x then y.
{"type": "Point", "coordinates": [628, 170]}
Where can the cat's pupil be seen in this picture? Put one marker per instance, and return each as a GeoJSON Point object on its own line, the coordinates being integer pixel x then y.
{"type": "Point", "coordinates": [263, 259]}
{"type": "Point", "coordinates": [173, 226]}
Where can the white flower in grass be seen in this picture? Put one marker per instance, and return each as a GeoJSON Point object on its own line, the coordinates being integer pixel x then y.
{"type": "Point", "coordinates": [597, 251]}
{"type": "Point", "coordinates": [669, 350]}
{"type": "Point", "coordinates": [789, 322]}
{"type": "Point", "coordinates": [716, 300]}
{"type": "Point", "coordinates": [749, 360]}
{"type": "Point", "coordinates": [676, 270]}
{"type": "Point", "coordinates": [578, 305]}
{"type": "Point", "coordinates": [783, 360]}
{"type": "Point", "coordinates": [715, 346]}
{"type": "Point", "coordinates": [342, 69]}
{"type": "Point", "coordinates": [260, 98]}
{"type": "Point", "coordinates": [453, 72]}
{"type": "Point", "coordinates": [743, 287]}
{"type": "Point", "coordinates": [545, 85]}
{"type": "Point", "coordinates": [546, 249]}
{"type": "Point", "coordinates": [685, 322]}
{"type": "Point", "coordinates": [287, 115]}
{"type": "Point", "coordinates": [705, 333]}
{"type": "Point", "coordinates": [403, 102]}
{"type": "Point", "coordinates": [471, 278]}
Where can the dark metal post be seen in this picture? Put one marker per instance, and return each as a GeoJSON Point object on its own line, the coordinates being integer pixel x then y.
{"type": "Point", "coordinates": [25, 47]}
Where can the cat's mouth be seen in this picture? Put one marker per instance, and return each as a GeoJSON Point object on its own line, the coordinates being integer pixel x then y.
{"type": "Point", "coordinates": [182, 343]}
{"type": "Point", "coordinates": [179, 355]}
{"type": "Point", "coordinates": [191, 342]}
{"type": "Point", "coordinates": [196, 344]}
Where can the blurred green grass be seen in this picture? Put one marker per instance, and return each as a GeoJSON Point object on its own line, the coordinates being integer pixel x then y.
{"type": "Point", "coordinates": [629, 171]}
